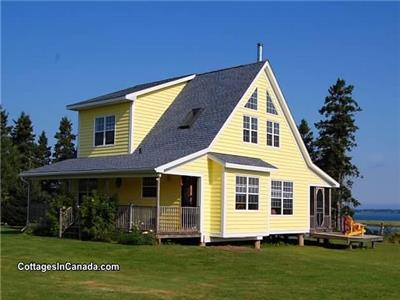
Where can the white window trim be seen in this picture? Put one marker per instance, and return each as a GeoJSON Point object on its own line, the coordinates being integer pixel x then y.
{"type": "Point", "coordinates": [104, 137]}
{"type": "Point", "coordinates": [250, 130]}
{"type": "Point", "coordinates": [270, 199]}
{"type": "Point", "coordinates": [274, 135]}
{"type": "Point", "coordinates": [141, 190]}
{"type": "Point", "coordinates": [247, 194]}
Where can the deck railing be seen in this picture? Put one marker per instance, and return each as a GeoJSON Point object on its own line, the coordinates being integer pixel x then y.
{"type": "Point", "coordinates": [66, 216]}
{"type": "Point", "coordinates": [172, 219]}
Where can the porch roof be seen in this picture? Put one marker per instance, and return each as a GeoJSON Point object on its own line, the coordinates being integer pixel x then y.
{"type": "Point", "coordinates": [242, 162]}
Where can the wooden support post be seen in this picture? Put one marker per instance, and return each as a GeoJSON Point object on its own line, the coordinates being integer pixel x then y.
{"type": "Point", "coordinates": [202, 244]}
{"type": "Point", "coordinates": [60, 223]}
{"type": "Point", "coordinates": [301, 240]}
{"type": "Point", "coordinates": [257, 244]}
{"type": "Point", "coordinates": [326, 242]}
{"type": "Point", "coordinates": [130, 217]}
{"type": "Point", "coordinates": [350, 245]}
{"type": "Point", "coordinates": [158, 204]}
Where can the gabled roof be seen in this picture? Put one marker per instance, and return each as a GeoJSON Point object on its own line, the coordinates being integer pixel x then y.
{"type": "Point", "coordinates": [242, 162]}
{"type": "Point", "coordinates": [217, 93]}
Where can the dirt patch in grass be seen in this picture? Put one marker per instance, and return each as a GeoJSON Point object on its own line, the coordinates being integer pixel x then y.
{"type": "Point", "coordinates": [235, 249]}
{"type": "Point", "coordinates": [92, 284]}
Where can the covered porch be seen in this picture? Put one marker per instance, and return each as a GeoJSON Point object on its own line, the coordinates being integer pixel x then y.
{"type": "Point", "coordinates": [168, 205]}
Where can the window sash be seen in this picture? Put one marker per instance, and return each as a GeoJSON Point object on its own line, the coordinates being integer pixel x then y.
{"type": "Point", "coordinates": [247, 193]}
{"type": "Point", "coordinates": [273, 133]}
{"type": "Point", "coordinates": [281, 197]}
{"type": "Point", "coordinates": [104, 131]}
{"type": "Point", "coordinates": [250, 129]}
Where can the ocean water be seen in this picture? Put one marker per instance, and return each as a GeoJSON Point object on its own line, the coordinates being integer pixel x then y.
{"type": "Point", "coordinates": [377, 215]}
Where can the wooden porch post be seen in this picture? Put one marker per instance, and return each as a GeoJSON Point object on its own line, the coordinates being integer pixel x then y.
{"type": "Point", "coordinates": [301, 240]}
{"type": "Point", "coordinates": [158, 203]}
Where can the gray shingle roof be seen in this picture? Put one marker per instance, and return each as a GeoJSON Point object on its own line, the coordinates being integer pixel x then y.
{"type": "Point", "coordinates": [217, 93]}
{"type": "Point", "coordinates": [242, 160]}
{"type": "Point", "coordinates": [122, 93]}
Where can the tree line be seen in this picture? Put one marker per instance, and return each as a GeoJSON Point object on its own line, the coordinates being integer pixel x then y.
{"type": "Point", "coordinates": [20, 151]}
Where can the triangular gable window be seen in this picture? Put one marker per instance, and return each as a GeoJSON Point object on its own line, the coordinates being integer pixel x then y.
{"type": "Point", "coordinates": [252, 103]}
{"type": "Point", "coordinates": [270, 105]}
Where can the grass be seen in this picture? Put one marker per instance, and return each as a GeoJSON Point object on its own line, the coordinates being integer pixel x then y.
{"type": "Point", "coordinates": [192, 272]}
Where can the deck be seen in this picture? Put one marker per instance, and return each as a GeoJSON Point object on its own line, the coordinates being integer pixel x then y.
{"type": "Point", "coordinates": [360, 239]}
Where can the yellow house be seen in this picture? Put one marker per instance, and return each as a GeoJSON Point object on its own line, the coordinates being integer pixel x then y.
{"type": "Point", "coordinates": [216, 156]}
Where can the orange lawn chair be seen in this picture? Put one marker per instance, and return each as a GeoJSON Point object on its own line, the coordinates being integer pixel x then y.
{"type": "Point", "coordinates": [352, 228]}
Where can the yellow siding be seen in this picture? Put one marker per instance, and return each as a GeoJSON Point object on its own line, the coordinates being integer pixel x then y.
{"type": "Point", "coordinates": [245, 221]}
{"type": "Point", "coordinates": [86, 130]}
{"type": "Point", "coordinates": [130, 191]}
{"type": "Point", "coordinates": [288, 159]}
{"type": "Point", "coordinates": [212, 180]}
{"type": "Point", "coordinates": [149, 108]}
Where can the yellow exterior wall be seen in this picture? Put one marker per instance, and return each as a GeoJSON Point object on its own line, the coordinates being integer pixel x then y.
{"type": "Point", "coordinates": [86, 130]}
{"type": "Point", "coordinates": [211, 173]}
{"type": "Point", "coordinates": [149, 108]}
{"type": "Point", "coordinates": [246, 221]}
{"type": "Point", "coordinates": [288, 159]}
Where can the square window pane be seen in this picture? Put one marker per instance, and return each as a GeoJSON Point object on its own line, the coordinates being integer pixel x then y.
{"type": "Point", "coordinates": [246, 122]}
{"type": "Point", "coordinates": [240, 201]}
{"type": "Point", "coordinates": [254, 137]}
{"type": "Point", "coordinates": [99, 138]}
{"type": "Point", "coordinates": [109, 137]}
{"type": "Point", "coordinates": [269, 139]}
{"type": "Point", "coordinates": [110, 123]}
{"type": "Point", "coordinates": [276, 141]}
{"type": "Point", "coordinates": [254, 123]}
{"type": "Point", "coordinates": [99, 124]}
{"type": "Point", "coordinates": [246, 135]}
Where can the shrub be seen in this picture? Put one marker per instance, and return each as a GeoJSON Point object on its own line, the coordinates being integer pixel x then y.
{"type": "Point", "coordinates": [97, 217]}
{"type": "Point", "coordinates": [394, 238]}
{"type": "Point", "coordinates": [49, 224]}
{"type": "Point", "coordinates": [136, 237]}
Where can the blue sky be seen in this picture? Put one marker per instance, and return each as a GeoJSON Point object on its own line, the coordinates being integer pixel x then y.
{"type": "Point", "coordinates": [54, 54]}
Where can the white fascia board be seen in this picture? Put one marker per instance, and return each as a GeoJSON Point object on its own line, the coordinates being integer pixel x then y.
{"type": "Point", "coordinates": [179, 161]}
{"type": "Point", "coordinates": [78, 107]}
{"type": "Point", "coordinates": [240, 166]}
{"type": "Point", "coordinates": [292, 124]}
{"type": "Point", "coordinates": [133, 96]}
{"type": "Point", "coordinates": [249, 167]}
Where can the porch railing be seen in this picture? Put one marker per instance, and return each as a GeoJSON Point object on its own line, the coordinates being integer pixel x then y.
{"type": "Point", "coordinates": [172, 219]}
{"type": "Point", "coordinates": [66, 219]}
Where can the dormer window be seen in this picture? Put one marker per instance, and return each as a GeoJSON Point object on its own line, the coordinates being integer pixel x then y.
{"type": "Point", "coordinates": [104, 131]}
{"type": "Point", "coordinates": [252, 103]}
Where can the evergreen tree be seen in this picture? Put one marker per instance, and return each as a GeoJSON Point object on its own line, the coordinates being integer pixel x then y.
{"type": "Point", "coordinates": [24, 139]}
{"type": "Point", "coordinates": [336, 140]}
{"type": "Point", "coordinates": [308, 138]}
{"type": "Point", "coordinates": [64, 147]}
{"type": "Point", "coordinates": [12, 211]}
{"type": "Point", "coordinates": [43, 151]}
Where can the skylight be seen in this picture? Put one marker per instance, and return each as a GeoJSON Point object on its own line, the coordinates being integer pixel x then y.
{"type": "Point", "coordinates": [190, 118]}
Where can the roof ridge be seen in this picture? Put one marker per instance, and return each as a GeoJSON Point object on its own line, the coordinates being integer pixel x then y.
{"type": "Point", "coordinates": [230, 68]}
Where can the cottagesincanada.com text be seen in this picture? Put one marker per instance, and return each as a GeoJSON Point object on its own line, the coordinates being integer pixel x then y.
{"type": "Point", "coordinates": [66, 266]}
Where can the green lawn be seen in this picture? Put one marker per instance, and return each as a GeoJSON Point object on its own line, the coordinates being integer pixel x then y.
{"type": "Point", "coordinates": [192, 272]}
